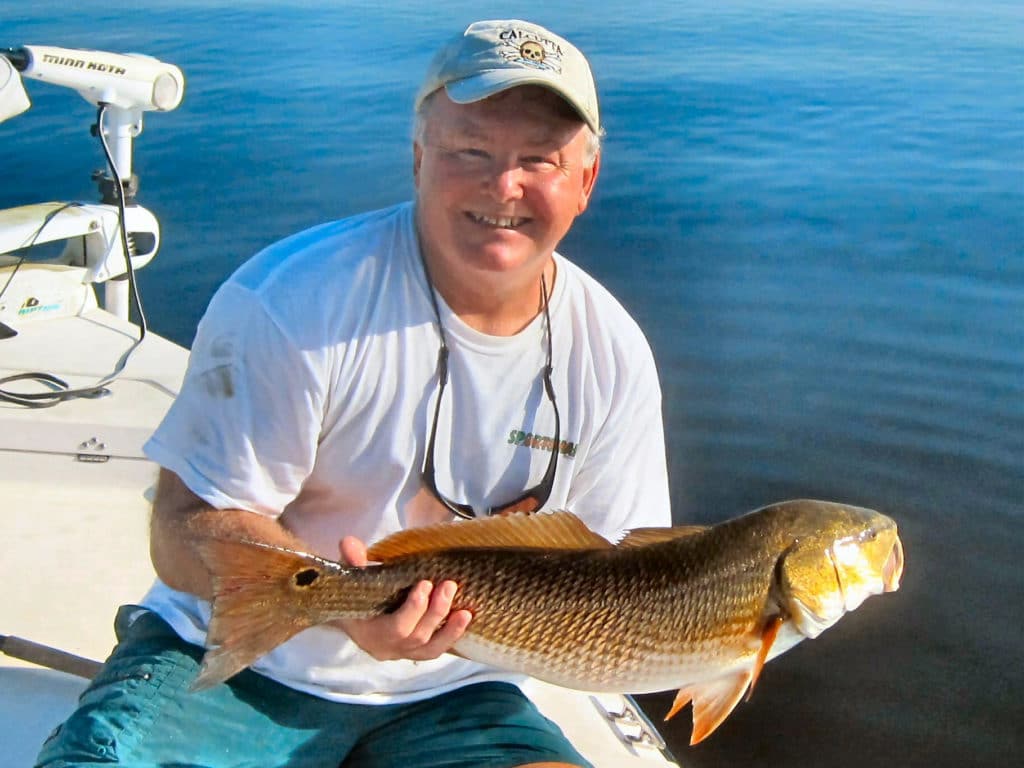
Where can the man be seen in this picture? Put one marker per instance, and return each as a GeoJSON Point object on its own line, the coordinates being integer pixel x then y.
{"type": "Point", "coordinates": [399, 368]}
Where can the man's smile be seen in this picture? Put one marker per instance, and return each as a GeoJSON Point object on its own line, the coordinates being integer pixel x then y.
{"type": "Point", "coordinates": [501, 222]}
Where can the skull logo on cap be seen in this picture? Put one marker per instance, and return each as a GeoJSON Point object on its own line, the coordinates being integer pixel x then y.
{"type": "Point", "coordinates": [532, 51]}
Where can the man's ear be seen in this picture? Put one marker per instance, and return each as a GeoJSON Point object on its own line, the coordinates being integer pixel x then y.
{"type": "Point", "coordinates": [589, 179]}
{"type": "Point", "coordinates": [417, 159]}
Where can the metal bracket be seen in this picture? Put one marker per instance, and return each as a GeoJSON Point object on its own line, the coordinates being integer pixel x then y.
{"type": "Point", "coordinates": [630, 724]}
{"type": "Point", "coordinates": [92, 451]}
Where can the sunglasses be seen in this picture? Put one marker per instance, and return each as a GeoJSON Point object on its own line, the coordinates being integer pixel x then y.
{"type": "Point", "coordinates": [530, 500]}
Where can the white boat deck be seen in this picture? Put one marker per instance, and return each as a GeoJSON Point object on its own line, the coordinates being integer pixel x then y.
{"type": "Point", "coordinates": [73, 481]}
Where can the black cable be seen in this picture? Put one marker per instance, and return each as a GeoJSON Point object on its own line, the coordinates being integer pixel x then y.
{"type": "Point", "coordinates": [132, 286]}
{"type": "Point", "coordinates": [60, 391]}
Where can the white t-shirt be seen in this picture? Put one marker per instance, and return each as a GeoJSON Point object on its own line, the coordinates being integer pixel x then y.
{"type": "Point", "coordinates": [310, 393]}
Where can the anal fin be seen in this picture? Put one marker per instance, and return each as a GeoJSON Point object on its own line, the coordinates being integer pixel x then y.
{"type": "Point", "coordinates": [712, 702]}
{"type": "Point", "coordinates": [683, 697]}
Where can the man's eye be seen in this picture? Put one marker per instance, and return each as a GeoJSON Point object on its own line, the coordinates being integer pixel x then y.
{"type": "Point", "coordinates": [539, 164]}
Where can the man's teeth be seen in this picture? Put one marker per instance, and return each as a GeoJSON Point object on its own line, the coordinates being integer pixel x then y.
{"type": "Point", "coordinates": [507, 222]}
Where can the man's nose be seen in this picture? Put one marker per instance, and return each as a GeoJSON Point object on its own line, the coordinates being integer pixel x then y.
{"type": "Point", "coordinates": [505, 182]}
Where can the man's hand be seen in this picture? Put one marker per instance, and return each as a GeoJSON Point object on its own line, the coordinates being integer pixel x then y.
{"type": "Point", "coordinates": [423, 628]}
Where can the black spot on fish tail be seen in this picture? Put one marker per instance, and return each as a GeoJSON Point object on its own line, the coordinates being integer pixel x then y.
{"type": "Point", "coordinates": [306, 576]}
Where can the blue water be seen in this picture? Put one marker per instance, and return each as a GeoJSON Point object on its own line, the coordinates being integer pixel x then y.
{"type": "Point", "coordinates": [816, 211]}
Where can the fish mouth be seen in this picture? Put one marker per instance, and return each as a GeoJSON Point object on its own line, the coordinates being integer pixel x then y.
{"type": "Point", "coordinates": [892, 571]}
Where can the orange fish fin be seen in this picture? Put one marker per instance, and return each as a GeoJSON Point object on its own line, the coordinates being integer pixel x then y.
{"type": "Point", "coordinates": [555, 530]}
{"type": "Point", "coordinates": [768, 635]}
{"type": "Point", "coordinates": [259, 601]}
{"type": "Point", "coordinates": [683, 697]}
{"type": "Point", "coordinates": [641, 537]}
{"type": "Point", "coordinates": [712, 702]}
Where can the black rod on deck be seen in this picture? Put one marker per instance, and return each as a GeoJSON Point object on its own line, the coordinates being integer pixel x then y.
{"type": "Point", "coordinates": [45, 656]}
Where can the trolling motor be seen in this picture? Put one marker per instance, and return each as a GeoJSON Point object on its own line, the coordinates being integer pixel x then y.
{"type": "Point", "coordinates": [130, 81]}
{"type": "Point", "coordinates": [106, 241]}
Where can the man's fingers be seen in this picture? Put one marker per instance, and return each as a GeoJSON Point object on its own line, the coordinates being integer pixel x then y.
{"type": "Point", "coordinates": [425, 620]}
{"type": "Point", "coordinates": [407, 617]}
{"type": "Point", "coordinates": [422, 628]}
{"type": "Point", "coordinates": [423, 611]}
{"type": "Point", "coordinates": [353, 551]}
{"type": "Point", "coordinates": [438, 608]}
{"type": "Point", "coordinates": [454, 628]}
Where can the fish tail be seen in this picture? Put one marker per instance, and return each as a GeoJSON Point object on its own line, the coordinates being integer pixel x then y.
{"type": "Point", "coordinates": [262, 596]}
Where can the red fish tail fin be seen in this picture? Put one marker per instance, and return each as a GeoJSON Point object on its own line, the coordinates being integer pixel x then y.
{"type": "Point", "coordinates": [262, 596]}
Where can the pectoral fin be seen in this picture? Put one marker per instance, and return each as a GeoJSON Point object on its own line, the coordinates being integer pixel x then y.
{"type": "Point", "coordinates": [768, 635]}
{"type": "Point", "coordinates": [712, 702]}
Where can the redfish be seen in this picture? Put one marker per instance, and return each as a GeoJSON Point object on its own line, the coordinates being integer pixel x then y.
{"type": "Point", "coordinates": [698, 609]}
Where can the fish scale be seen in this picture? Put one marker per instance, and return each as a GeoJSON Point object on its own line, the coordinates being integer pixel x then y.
{"type": "Point", "coordinates": [698, 609]}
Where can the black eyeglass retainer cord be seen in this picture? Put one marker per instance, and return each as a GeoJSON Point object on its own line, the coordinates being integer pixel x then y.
{"type": "Point", "coordinates": [466, 511]}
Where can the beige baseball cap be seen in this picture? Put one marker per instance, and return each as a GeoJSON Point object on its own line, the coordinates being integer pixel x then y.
{"type": "Point", "coordinates": [493, 56]}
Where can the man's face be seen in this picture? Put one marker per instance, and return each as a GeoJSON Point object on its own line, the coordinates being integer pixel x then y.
{"type": "Point", "coordinates": [500, 181]}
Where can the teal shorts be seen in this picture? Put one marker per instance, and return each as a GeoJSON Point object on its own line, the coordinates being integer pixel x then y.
{"type": "Point", "coordinates": [139, 712]}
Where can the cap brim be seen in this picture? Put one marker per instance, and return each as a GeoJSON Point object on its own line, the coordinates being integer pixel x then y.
{"type": "Point", "coordinates": [490, 82]}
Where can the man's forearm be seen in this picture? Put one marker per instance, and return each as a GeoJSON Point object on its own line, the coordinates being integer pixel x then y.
{"type": "Point", "coordinates": [181, 519]}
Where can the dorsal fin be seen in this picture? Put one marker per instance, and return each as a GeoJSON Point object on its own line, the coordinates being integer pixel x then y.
{"type": "Point", "coordinates": [641, 537]}
{"type": "Point", "coordinates": [557, 530]}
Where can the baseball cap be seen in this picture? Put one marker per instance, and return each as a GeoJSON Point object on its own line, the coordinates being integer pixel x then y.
{"type": "Point", "coordinates": [493, 56]}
